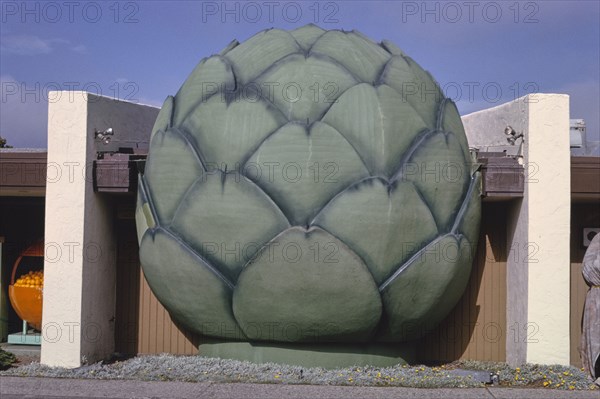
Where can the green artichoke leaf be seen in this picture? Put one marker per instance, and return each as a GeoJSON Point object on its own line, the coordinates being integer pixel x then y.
{"type": "Point", "coordinates": [425, 289]}
{"type": "Point", "coordinates": [232, 44]}
{"type": "Point", "coordinates": [449, 121]}
{"type": "Point", "coordinates": [144, 218]}
{"type": "Point", "coordinates": [376, 220]}
{"type": "Point", "coordinates": [256, 54]}
{"type": "Point", "coordinates": [164, 117]}
{"type": "Point", "coordinates": [429, 82]}
{"type": "Point", "coordinates": [214, 204]}
{"type": "Point", "coordinates": [378, 123]}
{"type": "Point", "coordinates": [304, 88]}
{"type": "Point", "coordinates": [467, 221]}
{"type": "Point", "coordinates": [210, 77]}
{"type": "Point", "coordinates": [437, 167]}
{"type": "Point", "coordinates": [195, 294]}
{"type": "Point", "coordinates": [307, 35]}
{"type": "Point", "coordinates": [170, 151]}
{"type": "Point", "coordinates": [392, 48]}
{"type": "Point", "coordinates": [228, 132]}
{"type": "Point", "coordinates": [417, 89]}
{"type": "Point", "coordinates": [364, 58]}
{"type": "Point", "coordinates": [302, 167]}
{"type": "Point", "coordinates": [306, 286]}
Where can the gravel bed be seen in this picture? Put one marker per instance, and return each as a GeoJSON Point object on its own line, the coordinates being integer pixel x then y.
{"type": "Point", "coordinates": [167, 367]}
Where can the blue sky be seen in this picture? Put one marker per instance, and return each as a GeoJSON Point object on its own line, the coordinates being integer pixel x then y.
{"type": "Point", "coordinates": [482, 53]}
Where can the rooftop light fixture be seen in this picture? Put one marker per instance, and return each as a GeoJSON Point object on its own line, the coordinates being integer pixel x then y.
{"type": "Point", "coordinates": [512, 135]}
{"type": "Point", "coordinates": [104, 136]}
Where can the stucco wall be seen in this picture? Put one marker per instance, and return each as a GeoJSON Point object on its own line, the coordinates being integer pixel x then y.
{"type": "Point", "coordinates": [538, 225]}
{"type": "Point", "coordinates": [485, 129]}
{"type": "Point", "coordinates": [79, 267]}
{"type": "Point", "coordinates": [549, 228]}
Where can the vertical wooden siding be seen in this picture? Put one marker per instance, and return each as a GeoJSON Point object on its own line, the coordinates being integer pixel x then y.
{"type": "Point", "coordinates": [158, 333]}
{"type": "Point", "coordinates": [476, 328]}
{"type": "Point", "coordinates": [142, 324]}
{"type": "Point", "coordinates": [582, 215]}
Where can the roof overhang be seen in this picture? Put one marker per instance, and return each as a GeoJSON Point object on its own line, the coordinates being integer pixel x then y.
{"type": "Point", "coordinates": [23, 173]}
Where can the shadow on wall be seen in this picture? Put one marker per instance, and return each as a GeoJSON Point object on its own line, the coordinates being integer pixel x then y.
{"type": "Point", "coordinates": [128, 288]}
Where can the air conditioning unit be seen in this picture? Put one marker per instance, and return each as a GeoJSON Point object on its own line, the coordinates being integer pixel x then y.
{"type": "Point", "coordinates": [577, 133]}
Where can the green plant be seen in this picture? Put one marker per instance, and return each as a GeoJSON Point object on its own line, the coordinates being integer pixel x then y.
{"type": "Point", "coordinates": [3, 143]}
{"type": "Point", "coordinates": [308, 186]}
{"type": "Point", "coordinates": [6, 359]}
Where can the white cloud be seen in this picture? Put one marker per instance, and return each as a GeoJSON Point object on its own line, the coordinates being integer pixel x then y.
{"type": "Point", "coordinates": [25, 45]}
{"type": "Point", "coordinates": [34, 45]}
{"type": "Point", "coordinates": [80, 48]}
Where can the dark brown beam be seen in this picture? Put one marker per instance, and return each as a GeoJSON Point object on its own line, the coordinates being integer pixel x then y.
{"type": "Point", "coordinates": [585, 179]}
{"type": "Point", "coordinates": [23, 173]}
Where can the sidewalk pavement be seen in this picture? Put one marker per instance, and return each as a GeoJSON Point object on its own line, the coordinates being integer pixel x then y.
{"type": "Point", "coordinates": [28, 387]}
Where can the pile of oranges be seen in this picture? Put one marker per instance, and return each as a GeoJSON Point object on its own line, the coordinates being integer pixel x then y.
{"type": "Point", "coordinates": [31, 279]}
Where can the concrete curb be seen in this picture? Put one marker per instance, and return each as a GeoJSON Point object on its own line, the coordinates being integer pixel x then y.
{"type": "Point", "coordinates": [21, 387]}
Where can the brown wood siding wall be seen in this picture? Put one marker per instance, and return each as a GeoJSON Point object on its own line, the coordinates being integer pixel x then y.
{"type": "Point", "coordinates": [474, 330]}
{"type": "Point", "coordinates": [158, 333]}
{"type": "Point", "coordinates": [142, 324]}
{"type": "Point", "coordinates": [582, 215]}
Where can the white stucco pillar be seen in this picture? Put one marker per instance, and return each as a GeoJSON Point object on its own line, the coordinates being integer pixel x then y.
{"type": "Point", "coordinates": [80, 258]}
{"type": "Point", "coordinates": [549, 214]}
{"type": "Point", "coordinates": [64, 229]}
{"type": "Point", "coordinates": [538, 225]}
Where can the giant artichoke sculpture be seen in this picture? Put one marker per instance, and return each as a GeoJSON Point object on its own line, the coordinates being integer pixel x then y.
{"type": "Point", "coordinates": [308, 186]}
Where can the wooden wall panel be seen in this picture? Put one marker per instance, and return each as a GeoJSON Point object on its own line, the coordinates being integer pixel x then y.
{"type": "Point", "coordinates": [476, 328]}
{"type": "Point", "coordinates": [143, 326]}
{"type": "Point", "coordinates": [159, 334]}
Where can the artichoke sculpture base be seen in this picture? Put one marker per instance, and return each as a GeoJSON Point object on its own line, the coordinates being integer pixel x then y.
{"type": "Point", "coordinates": [329, 356]}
